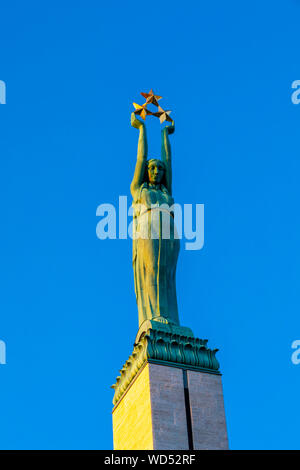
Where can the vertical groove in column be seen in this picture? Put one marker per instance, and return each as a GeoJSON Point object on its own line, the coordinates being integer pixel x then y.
{"type": "Point", "coordinates": [188, 410]}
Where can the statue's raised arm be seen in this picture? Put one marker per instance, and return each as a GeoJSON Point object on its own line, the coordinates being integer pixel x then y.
{"type": "Point", "coordinates": [166, 155]}
{"type": "Point", "coordinates": [142, 152]}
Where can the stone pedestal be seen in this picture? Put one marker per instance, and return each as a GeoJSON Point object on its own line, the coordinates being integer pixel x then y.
{"type": "Point", "coordinates": [207, 411]}
{"type": "Point", "coordinates": [169, 394]}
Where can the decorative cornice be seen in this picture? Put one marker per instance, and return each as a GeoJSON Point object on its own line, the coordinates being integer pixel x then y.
{"type": "Point", "coordinates": [165, 344]}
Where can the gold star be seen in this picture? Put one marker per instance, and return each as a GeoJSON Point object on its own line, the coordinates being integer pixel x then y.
{"type": "Point", "coordinates": [141, 110]}
{"type": "Point", "coordinates": [163, 115]}
{"type": "Point", "coordinates": [151, 97]}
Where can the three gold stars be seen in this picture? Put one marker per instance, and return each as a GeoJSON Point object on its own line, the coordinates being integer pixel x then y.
{"type": "Point", "coordinates": [151, 98]}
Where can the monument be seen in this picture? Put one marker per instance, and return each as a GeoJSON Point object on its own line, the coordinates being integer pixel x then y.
{"type": "Point", "coordinates": [168, 395]}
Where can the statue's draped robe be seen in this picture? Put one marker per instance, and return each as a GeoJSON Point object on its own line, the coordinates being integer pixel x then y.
{"type": "Point", "coordinates": [155, 254]}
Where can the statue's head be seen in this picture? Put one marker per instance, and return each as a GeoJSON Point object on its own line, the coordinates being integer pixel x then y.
{"type": "Point", "coordinates": [156, 171]}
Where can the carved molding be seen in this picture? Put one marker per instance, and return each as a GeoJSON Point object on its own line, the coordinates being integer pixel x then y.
{"type": "Point", "coordinates": [165, 347]}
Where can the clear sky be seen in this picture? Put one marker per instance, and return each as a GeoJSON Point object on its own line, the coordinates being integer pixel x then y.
{"type": "Point", "coordinates": [68, 310]}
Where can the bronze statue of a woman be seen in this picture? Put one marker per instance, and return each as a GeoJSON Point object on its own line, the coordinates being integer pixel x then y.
{"type": "Point", "coordinates": [154, 256]}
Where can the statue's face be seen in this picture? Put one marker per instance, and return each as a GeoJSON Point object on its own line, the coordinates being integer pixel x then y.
{"type": "Point", "coordinates": [155, 172]}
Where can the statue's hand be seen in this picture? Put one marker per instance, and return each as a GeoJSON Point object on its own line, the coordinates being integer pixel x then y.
{"type": "Point", "coordinates": [136, 122]}
{"type": "Point", "coordinates": [170, 129]}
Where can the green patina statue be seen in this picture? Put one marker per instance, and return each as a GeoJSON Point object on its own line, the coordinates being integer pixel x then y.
{"type": "Point", "coordinates": [154, 256]}
{"type": "Point", "coordinates": [160, 339]}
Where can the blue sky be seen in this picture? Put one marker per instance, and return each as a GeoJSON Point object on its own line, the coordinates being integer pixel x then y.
{"type": "Point", "coordinates": [68, 311]}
